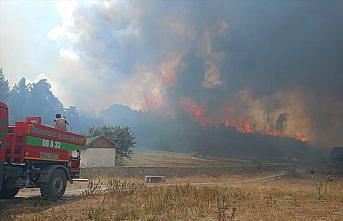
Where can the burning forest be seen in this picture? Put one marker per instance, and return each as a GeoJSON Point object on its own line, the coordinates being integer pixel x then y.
{"type": "Point", "coordinates": [172, 70]}
{"type": "Point", "coordinates": [219, 70]}
{"type": "Point", "coordinates": [171, 110]}
{"type": "Point", "coordinates": [241, 123]}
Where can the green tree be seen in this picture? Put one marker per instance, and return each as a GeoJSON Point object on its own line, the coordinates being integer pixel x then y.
{"type": "Point", "coordinates": [122, 137]}
{"type": "Point", "coordinates": [43, 102]}
{"type": "Point", "coordinates": [4, 87]}
{"type": "Point", "coordinates": [19, 100]}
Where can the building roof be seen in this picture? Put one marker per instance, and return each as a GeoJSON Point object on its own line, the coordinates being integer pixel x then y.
{"type": "Point", "coordinates": [99, 142]}
{"type": "Point", "coordinates": [91, 139]}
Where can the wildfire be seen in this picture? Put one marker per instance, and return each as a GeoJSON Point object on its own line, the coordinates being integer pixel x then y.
{"type": "Point", "coordinates": [227, 123]}
{"type": "Point", "coordinates": [244, 128]}
{"type": "Point", "coordinates": [197, 111]}
{"type": "Point", "coordinates": [192, 108]}
{"type": "Point", "coordinates": [302, 138]}
{"type": "Point", "coordinates": [274, 133]}
{"type": "Point", "coordinates": [154, 100]}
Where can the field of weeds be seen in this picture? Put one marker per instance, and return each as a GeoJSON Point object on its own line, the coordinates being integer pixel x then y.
{"type": "Point", "coordinates": [284, 199]}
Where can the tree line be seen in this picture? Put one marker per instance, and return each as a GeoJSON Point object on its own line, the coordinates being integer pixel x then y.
{"type": "Point", "coordinates": [153, 130]}
{"type": "Point", "coordinates": [37, 99]}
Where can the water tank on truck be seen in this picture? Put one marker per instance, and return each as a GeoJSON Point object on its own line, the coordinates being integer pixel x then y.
{"type": "Point", "coordinates": [33, 155]}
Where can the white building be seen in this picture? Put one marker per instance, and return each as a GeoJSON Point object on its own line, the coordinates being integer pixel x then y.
{"type": "Point", "coordinates": [100, 152]}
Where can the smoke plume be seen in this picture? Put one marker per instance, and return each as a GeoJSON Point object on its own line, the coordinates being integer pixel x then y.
{"type": "Point", "coordinates": [258, 66]}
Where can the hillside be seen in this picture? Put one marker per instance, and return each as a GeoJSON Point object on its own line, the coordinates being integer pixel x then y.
{"type": "Point", "coordinates": [166, 158]}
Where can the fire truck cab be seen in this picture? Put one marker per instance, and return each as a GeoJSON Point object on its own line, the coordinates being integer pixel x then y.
{"type": "Point", "coordinates": [36, 156]}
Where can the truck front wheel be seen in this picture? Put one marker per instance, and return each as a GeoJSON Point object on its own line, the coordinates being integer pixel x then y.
{"type": "Point", "coordinates": [56, 186]}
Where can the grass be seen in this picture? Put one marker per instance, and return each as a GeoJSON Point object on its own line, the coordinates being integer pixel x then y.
{"type": "Point", "coordinates": [165, 158]}
{"type": "Point", "coordinates": [285, 199]}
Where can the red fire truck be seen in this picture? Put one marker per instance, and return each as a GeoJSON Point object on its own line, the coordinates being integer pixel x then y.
{"type": "Point", "coordinates": [36, 156]}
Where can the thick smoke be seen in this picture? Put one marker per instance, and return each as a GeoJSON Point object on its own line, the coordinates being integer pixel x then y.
{"type": "Point", "coordinates": [261, 66]}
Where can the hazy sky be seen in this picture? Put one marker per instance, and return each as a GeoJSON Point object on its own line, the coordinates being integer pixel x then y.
{"type": "Point", "coordinates": [31, 41]}
{"type": "Point", "coordinates": [25, 47]}
{"type": "Point", "coordinates": [39, 40]}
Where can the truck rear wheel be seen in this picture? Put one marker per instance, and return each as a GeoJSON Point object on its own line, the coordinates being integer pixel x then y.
{"type": "Point", "coordinates": [56, 186]}
{"type": "Point", "coordinates": [8, 191]}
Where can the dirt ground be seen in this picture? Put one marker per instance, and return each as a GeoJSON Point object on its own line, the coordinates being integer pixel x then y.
{"type": "Point", "coordinates": [264, 196]}
{"type": "Point", "coordinates": [76, 189]}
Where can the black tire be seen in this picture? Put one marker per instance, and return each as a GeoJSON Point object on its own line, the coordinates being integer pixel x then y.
{"type": "Point", "coordinates": [55, 188]}
{"type": "Point", "coordinates": [8, 192]}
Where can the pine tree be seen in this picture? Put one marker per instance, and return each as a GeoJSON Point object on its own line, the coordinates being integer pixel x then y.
{"type": "Point", "coordinates": [19, 100]}
{"type": "Point", "coordinates": [4, 87]}
{"type": "Point", "coordinates": [43, 102]}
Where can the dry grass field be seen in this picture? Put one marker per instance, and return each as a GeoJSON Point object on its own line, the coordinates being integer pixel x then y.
{"type": "Point", "coordinates": [166, 158]}
{"type": "Point", "coordinates": [281, 199]}
{"type": "Point", "coordinates": [149, 157]}
{"type": "Point", "coordinates": [262, 195]}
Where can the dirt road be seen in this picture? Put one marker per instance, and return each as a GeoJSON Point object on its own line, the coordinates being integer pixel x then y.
{"type": "Point", "coordinates": [77, 188]}
{"type": "Point", "coordinates": [70, 191]}
{"type": "Point", "coordinates": [29, 200]}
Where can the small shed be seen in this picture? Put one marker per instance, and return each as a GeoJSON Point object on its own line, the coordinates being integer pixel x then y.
{"type": "Point", "coordinates": [100, 152]}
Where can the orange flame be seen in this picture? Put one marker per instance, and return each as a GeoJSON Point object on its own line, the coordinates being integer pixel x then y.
{"type": "Point", "coordinates": [302, 138]}
{"type": "Point", "coordinates": [192, 107]}
{"type": "Point", "coordinates": [244, 128]}
{"type": "Point", "coordinates": [197, 111]}
{"type": "Point", "coordinates": [274, 133]}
